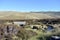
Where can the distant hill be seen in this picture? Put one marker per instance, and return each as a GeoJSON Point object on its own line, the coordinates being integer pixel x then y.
{"type": "Point", "coordinates": [12, 15]}
{"type": "Point", "coordinates": [49, 12]}
{"type": "Point", "coordinates": [52, 13]}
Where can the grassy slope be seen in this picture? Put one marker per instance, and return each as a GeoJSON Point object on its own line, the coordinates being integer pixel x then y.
{"type": "Point", "coordinates": [23, 15]}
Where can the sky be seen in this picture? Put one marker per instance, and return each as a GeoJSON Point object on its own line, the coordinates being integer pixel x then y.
{"type": "Point", "coordinates": [29, 5]}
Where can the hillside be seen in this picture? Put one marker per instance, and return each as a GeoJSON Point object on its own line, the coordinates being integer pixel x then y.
{"type": "Point", "coordinates": [51, 13]}
{"type": "Point", "coordinates": [5, 15]}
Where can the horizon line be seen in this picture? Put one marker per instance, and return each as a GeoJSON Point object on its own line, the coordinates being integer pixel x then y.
{"type": "Point", "coordinates": [32, 11]}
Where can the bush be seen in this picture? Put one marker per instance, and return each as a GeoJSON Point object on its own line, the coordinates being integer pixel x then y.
{"type": "Point", "coordinates": [25, 34]}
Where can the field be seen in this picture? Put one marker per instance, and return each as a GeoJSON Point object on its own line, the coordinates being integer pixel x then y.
{"type": "Point", "coordinates": [27, 32]}
{"type": "Point", "coordinates": [23, 15]}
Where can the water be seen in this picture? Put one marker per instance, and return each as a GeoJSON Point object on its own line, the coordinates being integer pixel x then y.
{"type": "Point", "coordinates": [50, 28]}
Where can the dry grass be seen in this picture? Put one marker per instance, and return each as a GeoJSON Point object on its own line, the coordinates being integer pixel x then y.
{"type": "Point", "coordinates": [23, 15]}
